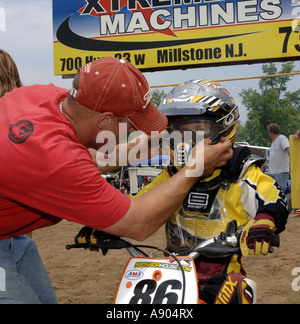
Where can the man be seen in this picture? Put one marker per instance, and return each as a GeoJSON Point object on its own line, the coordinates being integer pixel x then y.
{"type": "Point", "coordinates": [48, 174]}
{"type": "Point", "coordinates": [279, 160]}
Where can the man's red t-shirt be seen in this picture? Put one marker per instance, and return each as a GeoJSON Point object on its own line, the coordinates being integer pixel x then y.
{"type": "Point", "coordinates": [45, 173]}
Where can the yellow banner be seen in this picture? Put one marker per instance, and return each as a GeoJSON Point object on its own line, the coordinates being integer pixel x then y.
{"type": "Point", "coordinates": [172, 34]}
{"type": "Point", "coordinates": [254, 42]}
{"type": "Point", "coordinates": [295, 171]}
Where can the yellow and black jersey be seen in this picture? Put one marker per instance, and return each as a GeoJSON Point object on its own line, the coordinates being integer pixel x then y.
{"type": "Point", "coordinates": [205, 213]}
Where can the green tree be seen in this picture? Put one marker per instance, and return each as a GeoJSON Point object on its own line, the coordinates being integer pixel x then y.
{"type": "Point", "coordinates": [157, 97]}
{"type": "Point", "coordinates": [271, 104]}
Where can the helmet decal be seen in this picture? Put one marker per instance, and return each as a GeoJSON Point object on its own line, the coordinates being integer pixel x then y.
{"type": "Point", "coordinates": [230, 119]}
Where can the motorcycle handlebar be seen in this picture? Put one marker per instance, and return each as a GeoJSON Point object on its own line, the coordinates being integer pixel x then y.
{"type": "Point", "coordinates": [221, 246]}
{"type": "Point", "coordinates": [216, 251]}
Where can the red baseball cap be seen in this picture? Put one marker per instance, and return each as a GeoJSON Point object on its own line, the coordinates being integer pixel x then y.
{"type": "Point", "coordinates": [114, 85]}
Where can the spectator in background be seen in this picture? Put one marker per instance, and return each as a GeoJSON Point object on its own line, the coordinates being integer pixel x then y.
{"type": "Point", "coordinates": [279, 160]}
{"type": "Point", "coordinates": [140, 182]}
{"type": "Point", "coordinates": [297, 135]}
{"type": "Point", "coordinates": [9, 75]}
{"type": "Point", "coordinates": [9, 78]}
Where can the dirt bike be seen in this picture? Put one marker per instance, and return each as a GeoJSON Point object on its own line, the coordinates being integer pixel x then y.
{"type": "Point", "coordinates": [150, 279]}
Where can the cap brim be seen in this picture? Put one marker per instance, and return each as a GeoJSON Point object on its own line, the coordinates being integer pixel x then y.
{"type": "Point", "coordinates": [151, 121]}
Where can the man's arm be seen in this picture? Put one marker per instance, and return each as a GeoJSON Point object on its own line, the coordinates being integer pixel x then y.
{"type": "Point", "coordinates": [150, 211]}
{"type": "Point", "coordinates": [287, 150]}
{"type": "Point", "coordinates": [140, 148]}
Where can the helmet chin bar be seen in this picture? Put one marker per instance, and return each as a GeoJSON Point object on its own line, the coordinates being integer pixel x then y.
{"type": "Point", "coordinates": [182, 153]}
{"type": "Point", "coordinates": [182, 149]}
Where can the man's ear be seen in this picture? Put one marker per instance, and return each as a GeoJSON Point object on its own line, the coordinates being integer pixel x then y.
{"type": "Point", "coordinates": [105, 119]}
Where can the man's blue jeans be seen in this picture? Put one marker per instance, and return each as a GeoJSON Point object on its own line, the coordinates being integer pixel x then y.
{"type": "Point", "coordinates": [281, 179]}
{"type": "Point", "coordinates": [23, 277]}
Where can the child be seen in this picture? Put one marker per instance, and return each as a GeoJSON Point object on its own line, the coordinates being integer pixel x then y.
{"type": "Point", "coordinates": [240, 190]}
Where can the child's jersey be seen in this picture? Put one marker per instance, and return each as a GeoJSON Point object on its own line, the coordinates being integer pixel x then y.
{"type": "Point", "coordinates": [205, 213]}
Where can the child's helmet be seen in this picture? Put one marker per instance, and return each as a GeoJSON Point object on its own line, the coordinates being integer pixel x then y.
{"type": "Point", "coordinates": [200, 105]}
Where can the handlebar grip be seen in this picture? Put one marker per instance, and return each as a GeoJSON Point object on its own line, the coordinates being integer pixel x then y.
{"type": "Point", "coordinates": [218, 252]}
{"type": "Point", "coordinates": [101, 240]}
{"type": "Point", "coordinates": [275, 240]}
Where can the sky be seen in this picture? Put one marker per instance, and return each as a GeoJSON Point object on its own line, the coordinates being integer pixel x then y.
{"type": "Point", "coordinates": [26, 33]}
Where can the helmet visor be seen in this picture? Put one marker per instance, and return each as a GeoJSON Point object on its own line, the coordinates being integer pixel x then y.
{"type": "Point", "coordinates": [211, 127]}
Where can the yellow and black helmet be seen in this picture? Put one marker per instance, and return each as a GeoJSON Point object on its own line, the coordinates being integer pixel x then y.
{"type": "Point", "coordinates": [200, 105]}
{"type": "Point", "coordinates": [199, 101]}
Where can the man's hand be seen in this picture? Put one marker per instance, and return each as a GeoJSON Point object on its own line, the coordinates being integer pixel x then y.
{"type": "Point", "coordinates": [205, 158]}
{"type": "Point", "coordinates": [256, 235]}
{"type": "Point", "coordinates": [216, 156]}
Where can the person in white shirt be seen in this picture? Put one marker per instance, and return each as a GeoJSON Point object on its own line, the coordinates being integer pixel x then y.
{"type": "Point", "coordinates": [279, 160]}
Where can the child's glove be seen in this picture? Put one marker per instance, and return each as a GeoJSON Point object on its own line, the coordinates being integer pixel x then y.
{"type": "Point", "coordinates": [256, 235]}
{"type": "Point", "coordinates": [87, 236]}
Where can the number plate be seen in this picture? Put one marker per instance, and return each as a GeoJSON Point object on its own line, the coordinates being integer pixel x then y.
{"type": "Point", "coordinates": [158, 281]}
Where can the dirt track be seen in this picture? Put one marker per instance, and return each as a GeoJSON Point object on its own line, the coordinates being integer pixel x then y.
{"type": "Point", "coordinates": [84, 277]}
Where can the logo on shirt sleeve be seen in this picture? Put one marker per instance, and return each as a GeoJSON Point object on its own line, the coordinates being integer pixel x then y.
{"type": "Point", "coordinates": [20, 132]}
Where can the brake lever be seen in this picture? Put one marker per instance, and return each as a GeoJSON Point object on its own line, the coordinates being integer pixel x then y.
{"type": "Point", "coordinates": [77, 246]}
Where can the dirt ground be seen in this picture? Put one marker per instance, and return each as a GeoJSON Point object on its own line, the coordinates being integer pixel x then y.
{"type": "Point", "coordinates": [85, 277]}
